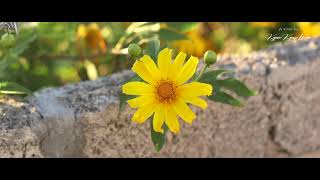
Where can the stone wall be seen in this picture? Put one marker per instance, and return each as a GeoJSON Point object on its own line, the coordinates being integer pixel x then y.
{"type": "Point", "coordinates": [83, 119]}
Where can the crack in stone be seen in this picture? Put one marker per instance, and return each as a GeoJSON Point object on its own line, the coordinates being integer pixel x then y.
{"type": "Point", "coordinates": [24, 150]}
{"type": "Point", "coordinates": [276, 146]}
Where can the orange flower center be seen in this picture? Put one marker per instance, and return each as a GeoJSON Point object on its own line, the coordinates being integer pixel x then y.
{"type": "Point", "coordinates": [166, 91]}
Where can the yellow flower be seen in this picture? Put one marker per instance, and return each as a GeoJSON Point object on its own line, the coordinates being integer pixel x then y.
{"type": "Point", "coordinates": [165, 92]}
{"type": "Point", "coordinates": [93, 37]}
{"type": "Point", "coordinates": [197, 45]}
{"type": "Point", "coordinates": [309, 29]}
{"type": "Point", "coordinates": [82, 31]}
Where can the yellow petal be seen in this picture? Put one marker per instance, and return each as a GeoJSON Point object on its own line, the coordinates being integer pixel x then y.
{"type": "Point", "coordinates": [140, 101]}
{"type": "Point", "coordinates": [179, 60]}
{"type": "Point", "coordinates": [171, 120]}
{"type": "Point", "coordinates": [195, 101]}
{"type": "Point", "coordinates": [183, 110]}
{"type": "Point", "coordinates": [82, 31]}
{"type": "Point", "coordinates": [137, 88]}
{"type": "Point", "coordinates": [158, 119]}
{"type": "Point", "coordinates": [177, 66]}
{"type": "Point", "coordinates": [151, 66]}
{"type": "Point", "coordinates": [140, 68]}
{"type": "Point", "coordinates": [195, 89]}
{"type": "Point", "coordinates": [188, 70]}
{"type": "Point", "coordinates": [143, 113]}
{"type": "Point", "coordinates": [164, 62]}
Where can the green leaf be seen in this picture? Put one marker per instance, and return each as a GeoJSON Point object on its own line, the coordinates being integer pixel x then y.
{"type": "Point", "coordinates": [182, 26]}
{"type": "Point", "coordinates": [152, 49]}
{"type": "Point", "coordinates": [23, 42]}
{"type": "Point", "coordinates": [123, 99]}
{"type": "Point", "coordinates": [210, 76]}
{"type": "Point", "coordinates": [222, 97]}
{"type": "Point", "coordinates": [170, 35]}
{"type": "Point", "coordinates": [157, 138]}
{"type": "Point", "coordinates": [13, 88]}
{"type": "Point", "coordinates": [237, 86]}
{"type": "Point", "coordinates": [12, 56]}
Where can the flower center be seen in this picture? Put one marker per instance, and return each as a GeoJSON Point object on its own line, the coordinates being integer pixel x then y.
{"type": "Point", "coordinates": [166, 91]}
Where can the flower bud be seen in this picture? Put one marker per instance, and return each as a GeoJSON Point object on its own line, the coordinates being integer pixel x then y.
{"type": "Point", "coordinates": [7, 40]}
{"type": "Point", "coordinates": [134, 50]}
{"type": "Point", "coordinates": [210, 57]}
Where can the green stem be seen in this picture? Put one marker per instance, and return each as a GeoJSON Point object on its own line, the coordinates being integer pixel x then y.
{"type": "Point", "coordinates": [118, 46]}
{"type": "Point", "coordinates": [123, 40]}
{"type": "Point", "coordinates": [202, 71]}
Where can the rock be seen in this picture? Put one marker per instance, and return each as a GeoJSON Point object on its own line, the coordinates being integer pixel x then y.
{"type": "Point", "coordinates": [83, 119]}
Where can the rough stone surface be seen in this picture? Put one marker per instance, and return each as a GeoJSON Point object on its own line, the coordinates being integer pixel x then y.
{"type": "Point", "coordinates": [83, 119]}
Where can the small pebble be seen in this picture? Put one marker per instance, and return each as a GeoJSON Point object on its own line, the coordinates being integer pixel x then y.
{"type": "Point", "coordinates": [273, 65]}
{"type": "Point", "coordinates": [283, 63]}
{"type": "Point", "coordinates": [259, 69]}
{"type": "Point", "coordinates": [244, 68]}
{"type": "Point", "coordinates": [313, 45]}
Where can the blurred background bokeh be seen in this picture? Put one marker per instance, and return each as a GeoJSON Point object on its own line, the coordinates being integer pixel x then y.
{"type": "Point", "coordinates": [56, 53]}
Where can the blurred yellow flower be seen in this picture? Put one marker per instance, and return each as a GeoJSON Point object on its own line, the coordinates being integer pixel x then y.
{"type": "Point", "coordinates": [309, 29]}
{"type": "Point", "coordinates": [166, 93]}
{"type": "Point", "coordinates": [93, 37]}
{"type": "Point", "coordinates": [82, 31]}
{"type": "Point", "coordinates": [196, 46]}
{"type": "Point", "coordinates": [263, 24]}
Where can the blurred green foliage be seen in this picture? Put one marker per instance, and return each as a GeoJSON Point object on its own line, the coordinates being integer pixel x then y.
{"type": "Point", "coordinates": [56, 53]}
